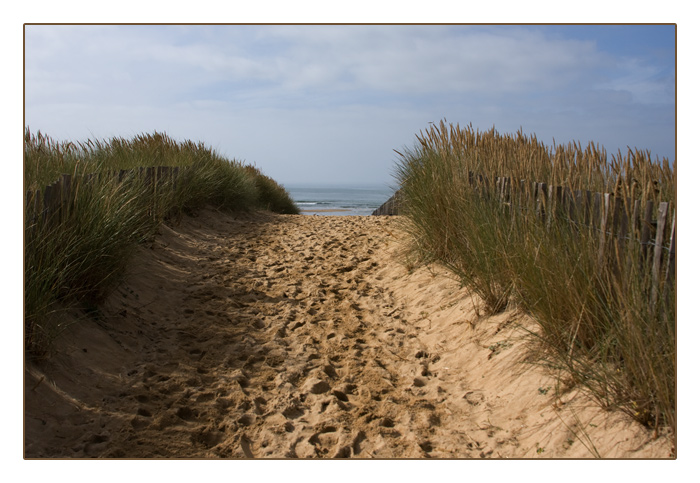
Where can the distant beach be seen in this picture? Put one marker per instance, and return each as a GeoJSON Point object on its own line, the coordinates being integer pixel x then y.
{"type": "Point", "coordinates": [339, 200]}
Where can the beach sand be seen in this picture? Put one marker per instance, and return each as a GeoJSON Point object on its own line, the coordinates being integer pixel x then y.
{"type": "Point", "coordinates": [266, 336]}
{"type": "Point", "coordinates": [328, 210]}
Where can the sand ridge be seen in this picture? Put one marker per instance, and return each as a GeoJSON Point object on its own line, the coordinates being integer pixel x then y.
{"type": "Point", "coordinates": [265, 336]}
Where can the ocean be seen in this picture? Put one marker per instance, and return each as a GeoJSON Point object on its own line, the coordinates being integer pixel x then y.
{"type": "Point", "coordinates": [345, 200]}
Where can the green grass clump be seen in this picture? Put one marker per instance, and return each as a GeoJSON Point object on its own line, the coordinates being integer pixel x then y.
{"type": "Point", "coordinates": [76, 257]}
{"type": "Point", "coordinates": [270, 195]}
{"type": "Point", "coordinates": [595, 318]}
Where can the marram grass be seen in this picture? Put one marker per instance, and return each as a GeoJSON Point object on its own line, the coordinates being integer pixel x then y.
{"type": "Point", "coordinates": [595, 320]}
{"type": "Point", "coordinates": [76, 261]}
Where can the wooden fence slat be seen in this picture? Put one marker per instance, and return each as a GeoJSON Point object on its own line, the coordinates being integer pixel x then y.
{"type": "Point", "coordinates": [163, 174]}
{"type": "Point", "coordinates": [51, 201]}
{"type": "Point", "coordinates": [573, 204]}
{"type": "Point", "coordinates": [542, 200]}
{"type": "Point", "coordinates": [556, 202]}
{"type": "Point", "coordinates": [646, 228]}
{"type": "Point", "coordinates": [617, 208]}
{"type": "Point", "coordinates": [559, 195]}
{"type": "Point", "coordinates": [596, 208]}
{"type": "Point", "coordinates": [635, 225]}
{"type": "Point", "coordinates": [66, 195]}
{"type": "Point", "coordinates": [619, 228]}
{"type": "Point", "coordinates": [633, 232]}
{"type": "Point", "coordinates": [485, 188]}
{"type": "Point", "coordinates": [605, 212]}
{"type": "Point", "coordinates": [150, 176]}
{"type": "Point", "coordinates": [505, 190]}
{"type": "Point", "coordinates": [580, 206]}
{"type": "Point", "coordinates": [550, 207]}
{"type": "Point", "coordinates": [671, 269]}
{"type": "Point", "coordinates": [587, 207]}
{"type": "Point", "coordinates": [658, 251]}
{"type": "Point", "coordinates": [623, 229]}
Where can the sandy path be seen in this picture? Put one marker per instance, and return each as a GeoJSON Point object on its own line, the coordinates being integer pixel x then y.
{"type": "Point", "coordinates": [302, 336]}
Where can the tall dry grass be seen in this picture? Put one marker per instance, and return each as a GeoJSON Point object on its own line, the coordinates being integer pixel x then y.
{"type": "Point", "coordinates": [593, 308]}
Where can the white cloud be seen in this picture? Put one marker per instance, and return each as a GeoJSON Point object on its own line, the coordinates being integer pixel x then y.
{"type": "Point", "coordinates": [645, 83]}
{"type": "Point", "coordinates": [425, 59]}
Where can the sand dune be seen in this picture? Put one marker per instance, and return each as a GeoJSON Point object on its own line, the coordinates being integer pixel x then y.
{"type": "Point", "coordinates": [264, 336]}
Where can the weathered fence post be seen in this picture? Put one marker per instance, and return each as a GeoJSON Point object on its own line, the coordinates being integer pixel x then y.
{"type": "Point", "coordinates": [176, 176]}
{"type": "Point", "coordinates": [542, 201]}
{"type": "Point", "coordinates": [646, 229]}
{"type": "Point", "coordinates": [671, 267]}
{"type": "Point", "coordinates": [658, 252]}
{"type": "Point", "coordinates": [587, 201]}
{"type": "Point", "coordinates": [522, 196]}
{"type": "Point", "coordinates": [605, 213]}
{"type": "Point", "coordinates": [619, 229]}
{"type": "Point", "coordinates": [66, 196]}
{"type": "Point", "coordinates": [52, 200]}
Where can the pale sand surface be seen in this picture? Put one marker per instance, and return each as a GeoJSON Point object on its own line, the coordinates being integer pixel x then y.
{"type": "Point", "coordinates": [301, 336]}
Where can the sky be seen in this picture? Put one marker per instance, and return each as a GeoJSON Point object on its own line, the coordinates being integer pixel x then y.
{"type": "Point", "coordinates": [329, 104]}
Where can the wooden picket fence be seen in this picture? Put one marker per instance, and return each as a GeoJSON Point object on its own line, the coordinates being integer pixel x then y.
{"type": "Point", "coordinates": [390, 207]}
{"type": "Point", "coordinates": [619, 221]}
{"type": "Point", "coordinates": [53, 203]}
